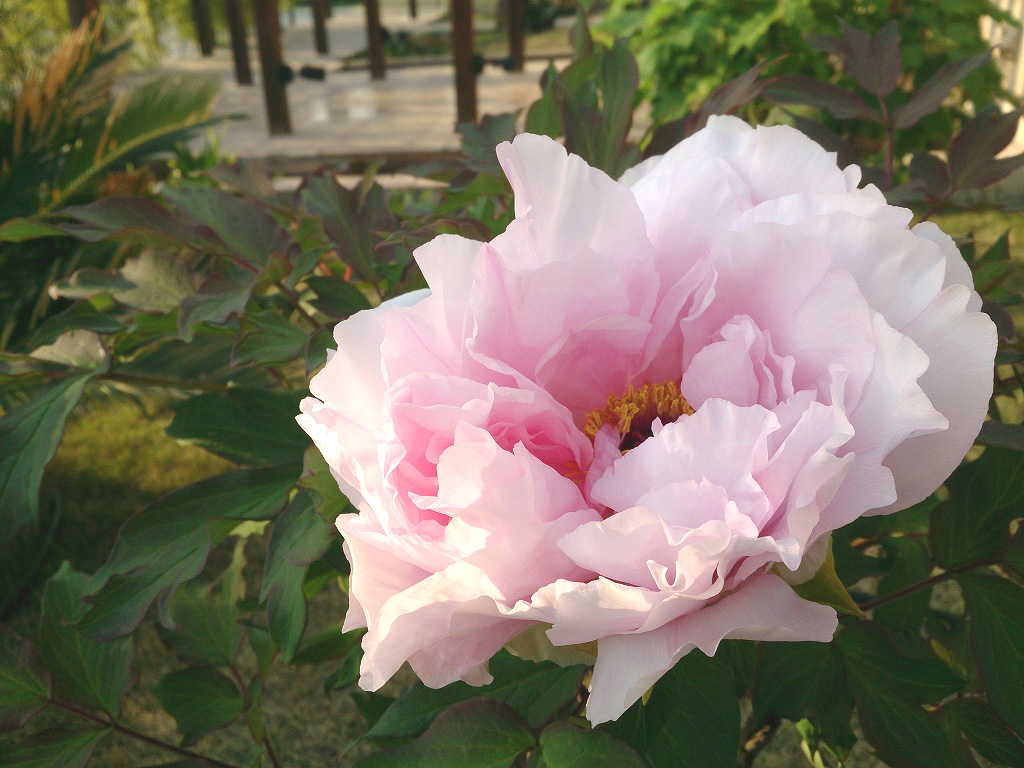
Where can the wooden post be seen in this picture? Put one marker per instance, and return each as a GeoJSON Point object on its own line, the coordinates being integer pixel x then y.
{"type": "Point", "coordinates": [268, 37]}
{"type": "Point", "coordinates": [374, 41]}
{"type": "Point", "coordinates": [412, 9]}
{"type": "Point", "coordinates": [204, 26]}
{"type": "Point", "coordinates": [239, 42]}
{"type": "Point", "coordinates": [462, 51]}
{"type": "Point", "coordinates": [319, 9]}
{"type": "Point", "coordinates": [516, 33]}
{"type": "Point", "coordinates": [79, 10]}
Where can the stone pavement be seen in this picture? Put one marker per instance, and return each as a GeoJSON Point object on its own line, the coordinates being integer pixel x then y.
{"type": "Point", "coordinates": [411, 111]}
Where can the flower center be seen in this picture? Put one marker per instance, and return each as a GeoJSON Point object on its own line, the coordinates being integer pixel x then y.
{"type": "Point", "coordinates": [634, 411]}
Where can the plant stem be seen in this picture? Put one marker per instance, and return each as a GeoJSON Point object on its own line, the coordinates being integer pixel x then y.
{"type": "Point", "coordinates": [160, 381]}
{"type": "Point", "coordinates": [890, 171]}
{"type": "Point", "coordinates": [923, 584]}
{"type": "Point", "coordinates": [294, 299]}
{"type": "Point", "coordinates": [140, 736]}
{"type": "Point", "coordinates": [270, 752]}
{"type": "Point", "coordinates": [274, 371]}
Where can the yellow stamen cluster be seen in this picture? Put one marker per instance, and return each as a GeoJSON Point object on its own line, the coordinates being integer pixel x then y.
{"type": "Point", "coordinates": [637, 408]}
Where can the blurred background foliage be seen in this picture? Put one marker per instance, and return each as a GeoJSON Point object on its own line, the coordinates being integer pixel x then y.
{"type": "Point", "coordinates": [172, 587]}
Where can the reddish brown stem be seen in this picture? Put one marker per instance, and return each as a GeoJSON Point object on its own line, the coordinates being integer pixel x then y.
{"type": "Point", "coordinates": [923, 584]}
{"type": "Point", "coordinates": [140, 736]}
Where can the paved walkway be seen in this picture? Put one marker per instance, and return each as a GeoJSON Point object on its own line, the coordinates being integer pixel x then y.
{"type": "Point", "coordinates": [412, 110]}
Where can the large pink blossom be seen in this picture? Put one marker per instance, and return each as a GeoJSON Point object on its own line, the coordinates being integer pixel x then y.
{"type": "Point", "coordinates": [622, 418]}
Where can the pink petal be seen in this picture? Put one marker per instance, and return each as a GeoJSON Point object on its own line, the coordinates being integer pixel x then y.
{"type": "Point", "coordinates": [960, 345]}
{"type": "Point", "coordinates": [765, 608]}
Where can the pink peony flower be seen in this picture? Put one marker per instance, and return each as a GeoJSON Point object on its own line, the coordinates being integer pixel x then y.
{"type": "Point", "coordinates": [624, 416]}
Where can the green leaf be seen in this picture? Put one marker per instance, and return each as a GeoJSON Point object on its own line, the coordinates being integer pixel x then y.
{"type": "Point", "coordinates": [249, 426]}
{"type": "Point", "coordinates": [137, 220]}
{"type": "Point", "coordinates": [691, 720]}
{"type": "Point", "coordinates": [317, 477]}
{"type": "Point", "coordinates": [244, 227]}
{"type": "Point", "coordinates": [168, 544]}
{"type": "Point", "coordinates": [568, 746]}
{"type": "Point", "coordinates": [997, 634]}
{"type": "Point", "coordinates": [348, 675]}
{"type": "Point", "coordinates": [286, 609]}
{"type": "Point", "coordinates": [216, 300]}
{"type": "Point", "coordinates": [200, 699]}
{"type": "Point", "coordinates": [537, 691]}
{"type": "Point", "coordinates": [740, 658]}
{"type": "Point", "coordinates": [351, 219]}
{"type": "Point", "coordinates": [986, 731]}
{"type": "Point", "coordinates": [51, 749]}
{"type": "Point", "coordinates": [315, 351]}
{"type": "Point", "coordinates": [336, 297]}
{"type": "Point", "coordinates": [209, 628]}
{"type": "Point", "coordinates": [371, 705]}
{"type": "Point", "coordinates": [985, 495]}
{"type": "Point", "coordinates": [268, 338]}
{"type": "Point", "coordinates": [888, 687]}
{"type": "Point", "coordinates": [29, 436]}
{"type": "Point", "coordinates": [80, 315]}
{"type": "Point", "coordinates": [543, 117]}
{"type": "Point", "coordinates": [826, 588]}
{"type": "Point", "coordinates": [329, 645]}
{"type": "Point", "coordinates": [22, 691]}
{"type": "Point", "coordinates": [95, 674]}
{"type": "Point", "coordinates": [18, 230]}
{"type": "Point", "coordinates": [299, 537]}
{"type": "Point", "coordinates": [804, 680]}
{"type": "Point", "coordinates": [478, 733]}
{"type": "Point", "coordinates": [906, 663]}
{"type": "Point", "coordinates": [912, 563]}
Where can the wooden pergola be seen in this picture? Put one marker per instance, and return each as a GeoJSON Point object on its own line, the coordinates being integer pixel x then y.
{"type": "Point", "coordinates": [266, 19]}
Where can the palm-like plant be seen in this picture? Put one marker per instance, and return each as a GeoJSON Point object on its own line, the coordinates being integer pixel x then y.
{"type": "Point", "coordinates": [70, 135]}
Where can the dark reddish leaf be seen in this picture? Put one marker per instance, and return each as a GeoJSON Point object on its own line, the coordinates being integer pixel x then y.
{"type": "Point", "coordinates": [873, 62]}
{"type": "Point", "coordinates": [930, 95]}
{"type": "Point", "coordinates": [973, 151]}
{"type": "Point", "coordinates": [811, 92]}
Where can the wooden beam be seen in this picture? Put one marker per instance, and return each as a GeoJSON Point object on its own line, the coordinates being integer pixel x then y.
{"type": "Point", "coordinates": [516, 33]}
{"type": "Point", "coordinates": [319, 9]}
{"type": "Point", "coordinates": [239, 41]}
{"type": "Point", "coordinates": [268, 37]}
{"type": "Point", "coordinates": [203, 20]}
{"type": "Point", "coordinates": [462, 53]}
{"type": "Point", "coordinates": [374, 39]}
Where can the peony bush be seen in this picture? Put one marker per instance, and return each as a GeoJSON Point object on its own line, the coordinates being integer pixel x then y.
{"type": "Point", "coordinates": [640, 451]}
{"type": "Point", "coordinates": [644, 407]}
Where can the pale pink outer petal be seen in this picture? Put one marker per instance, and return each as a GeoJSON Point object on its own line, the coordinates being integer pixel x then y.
{"type": "Point", "coordinates": [960, 345]}
{"type": "Point", "coordinates": [686, 205]}
{"type": "Point", "coordinates": [766, 158]}
{"type": "Point", "coordinates": [377, 573]}
{"type": "Point", "coordinates": [765, 608]}
{"type": "Point", "coordinates": [347, 406]}
{"type": "Point", "coordinates": [563, 205]}
{"type": "Point", "coordinates": [461, 616]}
{"type": "Point", "coordinates": [957, 271]}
